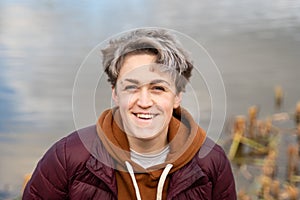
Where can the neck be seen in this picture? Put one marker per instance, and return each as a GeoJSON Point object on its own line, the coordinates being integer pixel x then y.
{"type": "Point", "coordinates": [146, 146]}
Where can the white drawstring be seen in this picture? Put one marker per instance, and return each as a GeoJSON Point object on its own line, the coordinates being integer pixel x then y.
{"type": "Point", "coordinates": [136, 187]}
{"type": "Point", "coordinates": [161, 181]}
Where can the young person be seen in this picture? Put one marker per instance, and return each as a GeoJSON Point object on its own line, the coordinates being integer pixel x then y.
{"type": "Point", "coordinates": [147, 146]}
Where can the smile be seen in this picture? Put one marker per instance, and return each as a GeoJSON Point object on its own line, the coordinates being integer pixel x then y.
{"type": "Point", "coordinates": [145, 115]}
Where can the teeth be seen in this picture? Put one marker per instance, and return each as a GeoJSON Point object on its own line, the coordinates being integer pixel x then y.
{"type": "Point", "coordinates": [144, 116]}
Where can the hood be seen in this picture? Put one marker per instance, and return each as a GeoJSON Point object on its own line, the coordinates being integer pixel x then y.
{"type": "Point", "coordinates": [185, 138]}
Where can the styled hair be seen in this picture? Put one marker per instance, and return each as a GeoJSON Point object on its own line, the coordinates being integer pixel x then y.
{"type": "Point", "coordinates": [159, 42]}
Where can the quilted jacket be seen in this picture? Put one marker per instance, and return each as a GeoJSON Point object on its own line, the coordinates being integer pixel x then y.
{"type": "Point", "coordinates": [69, 171]}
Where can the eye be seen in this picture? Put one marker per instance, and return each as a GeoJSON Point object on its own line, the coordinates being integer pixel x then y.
{"type": "Point", "coordinates": [130, 88]}
{"type": "Point", "coordinates": [158, 88]}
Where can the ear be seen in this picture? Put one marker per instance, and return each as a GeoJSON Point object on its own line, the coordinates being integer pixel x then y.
{"type": "Point", "coordinates": [115, 96]}
{"type": "Point", "coordinates": [177, 101]}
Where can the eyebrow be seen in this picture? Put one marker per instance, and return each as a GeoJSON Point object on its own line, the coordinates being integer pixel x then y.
{"type": "Point", "coordinates": [131, 80]}
{"type": "Point", "coordinates": [156, 81]}
{"type": "Point", "coordinates": [153, 82]}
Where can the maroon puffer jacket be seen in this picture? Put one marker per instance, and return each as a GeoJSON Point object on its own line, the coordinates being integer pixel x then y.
{"type": "Point", "coordinates": [69, 171]}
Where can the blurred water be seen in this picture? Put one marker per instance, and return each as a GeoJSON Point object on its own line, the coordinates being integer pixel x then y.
{"type": "Point", "coordinates": [255, 44]}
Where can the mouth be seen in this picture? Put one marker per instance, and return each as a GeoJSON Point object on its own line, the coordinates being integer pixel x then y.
{"type": "Point", "coordinates": [145, 116]}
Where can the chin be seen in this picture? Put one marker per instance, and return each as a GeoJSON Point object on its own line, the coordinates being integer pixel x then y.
{"type": "Point", "coordinates": [146, 133]}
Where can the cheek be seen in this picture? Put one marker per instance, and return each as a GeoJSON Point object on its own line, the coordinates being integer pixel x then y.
{"type": "Point", "coordinates": [126, 100]}
{"type": "Point", "coordinates": [167, 105]}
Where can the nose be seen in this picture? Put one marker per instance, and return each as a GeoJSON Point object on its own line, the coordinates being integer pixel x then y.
{"type": "Point", "coordinates": [144, 99]}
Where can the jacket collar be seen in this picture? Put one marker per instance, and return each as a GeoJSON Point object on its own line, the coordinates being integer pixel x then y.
{"type": "Point", "coordinates": [103, 172]}
{"type": "Point", "coordinates": [185, 177]}
{"type": "Point", "coordinates": [102, 165]}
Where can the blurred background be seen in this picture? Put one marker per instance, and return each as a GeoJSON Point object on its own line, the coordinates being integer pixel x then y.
{"type": "Point", "coordinates": [254, 43]}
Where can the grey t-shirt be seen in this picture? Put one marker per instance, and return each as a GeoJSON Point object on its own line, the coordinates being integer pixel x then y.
{"type": "Point", "coordinates": [148, 160]}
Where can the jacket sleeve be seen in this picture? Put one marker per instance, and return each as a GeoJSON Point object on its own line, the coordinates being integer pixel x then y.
{"type": "Point", "coordinates": [224, 184]}
{"type": "Point", "coordinates": [49, 179]}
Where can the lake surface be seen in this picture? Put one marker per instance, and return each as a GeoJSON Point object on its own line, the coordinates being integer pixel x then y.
{"type": "Point", "coordinates": [254, 43]}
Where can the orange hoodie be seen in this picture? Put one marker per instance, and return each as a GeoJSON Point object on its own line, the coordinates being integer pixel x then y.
{"type": "Point", "coordinates": [185, 138]}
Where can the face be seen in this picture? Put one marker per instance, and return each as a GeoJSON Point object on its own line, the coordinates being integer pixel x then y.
{"type": "Point", "coordinates": [146, 97]}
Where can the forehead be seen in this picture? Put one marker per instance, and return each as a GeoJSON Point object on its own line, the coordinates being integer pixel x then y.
{"type": "Point", "coordinates": [142, 67]}
{"type": "Point", "coordinates": [132, 62]}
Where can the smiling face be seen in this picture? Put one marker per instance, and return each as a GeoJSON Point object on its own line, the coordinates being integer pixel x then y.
{"type": "Point", "coordinates": [146, 97]}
